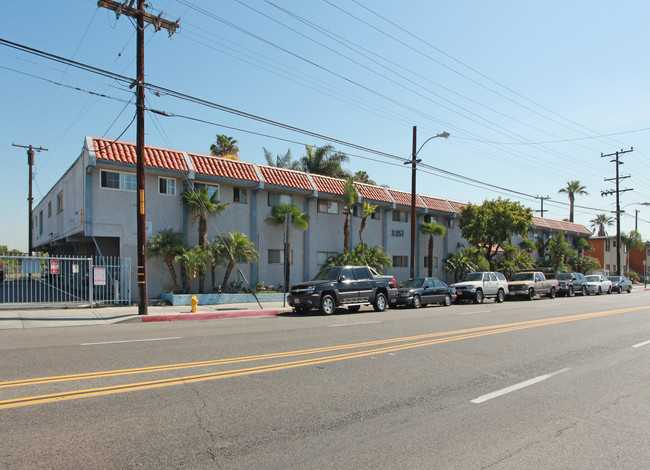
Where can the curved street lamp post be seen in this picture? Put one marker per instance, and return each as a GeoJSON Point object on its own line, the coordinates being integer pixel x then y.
{"type": "Point", "coordinates": [414, 161]}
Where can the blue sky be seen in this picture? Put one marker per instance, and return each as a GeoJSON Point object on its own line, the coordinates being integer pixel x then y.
{"type": "Point", "coordinates": [532, 93]}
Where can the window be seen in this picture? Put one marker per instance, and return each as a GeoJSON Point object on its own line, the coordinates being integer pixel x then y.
{"type": "Point", "coordinates": [328, 206]}
{"type": "Point", "coordinates": [114, 180]}
{"type": "Point", "coordinates": [493, 277]}
{"type": "Point", "coordinates": [59, 202]}
{"type": "Point", "coordinates": [323, 256]}
{"type": "Point", "coordinates": [435, 262]}
{"type": "Point", "coordinates": [400, 261]}
{"type": "Point", "coordinates": [607, 245]}
{"type": "Point", "coordinates": [212, 189]}
{"type": "Point", "coordinates": [400, 216]}
{"type": "Point", "coordinates": [167, 186]}
{"type": "Point", "coordinates": [361, 273]}
{"type": "Point", "coordinates": [40, 223]}
{"type": "Point", "coordinates": [450, 223]}
{"type": "Point", "coordinates": [49, 209]}
{"type": "Point", "coordinates": [428, 218]}
{"type": "Point", "coordinates": [375, 215]}
{"type": "Point", "coordinates": [276, 199]}
{"type": "Point", "coordinates": [239, 195]}
{"type": "Point", "coordinates": [277, 257]}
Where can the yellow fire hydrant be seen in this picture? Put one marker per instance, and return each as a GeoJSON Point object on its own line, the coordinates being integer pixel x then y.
{"type": "Point", "coordinates": [194, 302]}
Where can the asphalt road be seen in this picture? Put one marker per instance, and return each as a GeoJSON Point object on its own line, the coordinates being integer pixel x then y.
{"type": "Point", "coordinates": [561, 383]}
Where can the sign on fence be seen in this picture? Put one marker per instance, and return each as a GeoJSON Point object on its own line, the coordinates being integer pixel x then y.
{"type": "Point", "coordinates": [54, 266]}
{"type": "Point", "coordinates": [99, 276]}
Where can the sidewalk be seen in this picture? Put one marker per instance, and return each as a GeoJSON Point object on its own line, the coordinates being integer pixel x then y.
{"type": "Point", "coordinates": [43, 316]}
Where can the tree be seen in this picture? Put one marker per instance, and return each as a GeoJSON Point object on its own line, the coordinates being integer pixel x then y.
{"type": "Point", "coordinates": [299, 220]}
{"type": "Point", "coordinates": [573, 189]}
{"type": "Point", "coordinates": [367, 210]}
{"type": "Point", "coordinates": [167, 244]}
{"type": "Point", "coordinates": [203, 206]}
{"type": "Point", "coordinates": [459, 264]}
{"type": "Point", "coordinates": [324, 161]}
{"type": "Point", "coordinates": [225, 147]}
{"type": "Point", "coordinates": [432, 229]}
{"type": "Point", "coordinates": [631, 241]}
{"type": "Point", "coordinates": [362, 177]}
{"type": "Point", "coordinates": [232, 246]}
{"type": "Point", "coordinates": [374, 257]}
{"type": "Point", "coordinates": [349, 200]}
{"type": "Point", "coordinates": [559, 251]}
{"type": "Point", "coordinates": [492, 224]}
{"type": "Point", "coordinates": [582, 245]}
{"type": "Point", "coordinates": [514, 259]}
{"type": "Point", "coordinates": [582, 263]}
{"type": "Point", "coordinates": [194, 260]}
{"type": "Point", "coordinates": [600, 222]}
{"type": "Point", "coordinates": [281, 161]}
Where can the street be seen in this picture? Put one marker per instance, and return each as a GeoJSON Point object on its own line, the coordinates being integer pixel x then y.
{"type": "Point", "coordinates": [561, 383]}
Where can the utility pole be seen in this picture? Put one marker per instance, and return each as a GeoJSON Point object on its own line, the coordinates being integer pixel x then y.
{"type": "Point", "coordinates": [414, 161]}
{"type": "Point", "coordinates": [541, 210]}
{"type": "Point", "coordinates": [617, 191]}
{"type": "Point", "coordinates": [141, 17]}
{"type": "Point", "coordinates": [30, 199]}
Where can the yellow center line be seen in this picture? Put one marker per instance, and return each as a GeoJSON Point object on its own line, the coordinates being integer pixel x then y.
{"type": "Point", "coordinates": [425, 340]}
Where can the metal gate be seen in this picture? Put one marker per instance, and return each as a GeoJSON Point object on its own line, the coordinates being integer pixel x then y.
{"type": "Point", "coordinates": [64, 280]}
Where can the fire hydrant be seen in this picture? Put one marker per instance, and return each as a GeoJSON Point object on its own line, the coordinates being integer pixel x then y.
{"type": "Point", "coordinates": [194, 302]}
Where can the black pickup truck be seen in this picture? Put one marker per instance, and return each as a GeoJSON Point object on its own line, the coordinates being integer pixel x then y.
{"type": "Point", "coordinates": [349, 286]}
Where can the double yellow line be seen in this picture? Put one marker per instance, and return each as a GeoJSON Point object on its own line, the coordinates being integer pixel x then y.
{"type": "Point", "coordinates": [387, 346]}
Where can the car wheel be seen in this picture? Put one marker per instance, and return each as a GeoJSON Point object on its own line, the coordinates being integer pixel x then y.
{"type": "Point", "coordinates": [551, 295]}
{"type": "Point", "coordinates": [609, 291]}
{"type": "Point", "coordinates": [327, 305]}
{"type": "Point", "coordinates": [583, 291]}
{"type": "Point", "coordinates": [417, 301]}
{"type": "Point", "coordinates": [629, 289]}
{"type": "Point", "coordinates": [600, 291]}
{"type": "Point", "coordinates": [501, 296]}
{"type": "Point", "coordinates": [354, 308]}
{"type": "Point", "coordinates": [571, 293]}
{"type": "Point", "coordinates": [478, 297]}
{"type": "Point", "coordinates": [447, 301]}
{"type": "Point", "coordinates": [531, 293]}
{"type": "Point", "coordinates": [380, 302]}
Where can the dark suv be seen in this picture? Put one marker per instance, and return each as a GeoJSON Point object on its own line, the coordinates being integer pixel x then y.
{"type": "Point", "coordinates": [570, 284]}
{"type": "Point", "coordinates": [349, 286]}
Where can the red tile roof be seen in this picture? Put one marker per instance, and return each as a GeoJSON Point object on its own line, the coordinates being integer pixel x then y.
{"type": "Point", "coordinates": [325, 184]}
{"type": "Point", "coordinates": [437, 204]}
{"type": "Point", "coordinates": [457, 206]}
{"type": "Point", "coordinates": [404, 199]}
{"type": "Point", "coordinates": [560, 225]}
{"type": "Point", "coordinates": [282, 177]}
{"type": "Point", "coordinates": [373, 193]}
{"type": "Point", "coordinates": [223, 167]}
{"type": "Point", "coordinates": [154, 157]}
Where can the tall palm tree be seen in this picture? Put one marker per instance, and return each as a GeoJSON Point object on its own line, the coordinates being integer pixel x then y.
{"type": "Point", "coordinates": [167, 244]}
{"type": "Point", "coordinates": [281, 161]}
{"type": "Point", "coordinates": [432, 229]}
{"type": "Point", "coordinates": [203, 206]}
{"type": "Point", "coordinates": [600, 222]}
{"type": "Point", "coordinates": [225, 147]}
{"type": "Point", "coordinates": [324, 161]}
{"type": "Point", "coordinates": [232, 246]}
{"type": "Point", "coordinates": [299, 220]}
{"type": "Point", "coordinates": [367, 210]}
{"type": "Point", "coordinates": [349, 200]}
{"type": "Point", "coordinates": [573, 189]}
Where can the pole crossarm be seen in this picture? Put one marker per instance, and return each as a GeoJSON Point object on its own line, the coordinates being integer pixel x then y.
{"type": "Point", "coordinates": [127, 9]}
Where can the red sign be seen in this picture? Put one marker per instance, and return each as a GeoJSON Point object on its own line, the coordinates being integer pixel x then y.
{"type": "Point", "coordinates": [54, 266]}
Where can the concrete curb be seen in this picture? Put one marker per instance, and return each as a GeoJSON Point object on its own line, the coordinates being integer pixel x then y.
{"type": "Point", "coordinates": [210, 315]}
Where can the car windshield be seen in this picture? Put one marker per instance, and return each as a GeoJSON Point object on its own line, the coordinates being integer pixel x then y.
{"type": "Point", "coordinates": [593, 279]}
{"type": "Point", "coordinates": [473, 277]}
{"type": "Point", "coordinates": [524, 277]}
{"type": "Point", "coordinates": [414, 283]}
{"type": "Point", "coordinates": [330, 274]}
{"type": "Point", "coordinates": [615, 278]}
{"type": "Point", "coordinates": [564, 277]}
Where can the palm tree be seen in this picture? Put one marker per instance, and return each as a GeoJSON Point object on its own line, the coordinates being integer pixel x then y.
{"type": "Point", "coordinates": [203, 206]}
{"type": "Point", "coordinates": [600, 222]}
{"type": "Point", "coordinates": [572, 189]}
{"type": "Point", "coordinates": [349, 200]}
{"type": "Point", "coordinates": [300, 220]}
{"type": "Point", "coordinates": [367, 210]}
{"type": "Point", "coordinates": [432, 229]}
{"type": "Point", "coordinates": [225, 147]}
{"type": "Point", "coordinates": [167, 244]}
{"type": "Point", "coordinates": [459, 264]}
{"type": "Point", "coordinates": [281, 161]}
{"type": "Point", "coordinates": [194, 260]}
{"type": "Point", "coordinates": [374, 257]}
{"type": "Point", "coordinates": [232, 246]}
{"type": "Point", "coordinates": [324, 161]}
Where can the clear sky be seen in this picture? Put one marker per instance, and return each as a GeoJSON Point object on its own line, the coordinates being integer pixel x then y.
{"type": "Point", "coordinates": [531, 92]}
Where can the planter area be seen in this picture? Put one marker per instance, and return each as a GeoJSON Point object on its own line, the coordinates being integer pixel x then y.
{"type": "Point", "coordinates": [219, 299]}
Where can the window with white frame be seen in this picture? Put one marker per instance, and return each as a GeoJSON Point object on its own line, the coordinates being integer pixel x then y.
{"type": "Point", "coordinates": [328, 206]}
{"type": "Point", "coordinates": [115, 180]}
{"type": "Point", "coordinates": [400, 261]}
{"type": "Point", "coordinates": [277, 257]}
{"type": "Point", "coordinates": [49, 209]}
{"type": "Point", "coordinates": [212, 190]}
{"type": "Point", "coordinates": [40, 223]}
{"type": "Point", "coordinates": [239, 195]}
{"type": "Point", "coordinates": [607, 245]}
{"type": "Point", "coordinates": [167, 186]}
{"type": "Point", "coordinates": [275, 199]}
{"type": "Point", "coordinates": [400, 216]}
{"type": "Point", "coordinates": [59, 202]}
{"type": "Point", "coordinates": [435, 262]}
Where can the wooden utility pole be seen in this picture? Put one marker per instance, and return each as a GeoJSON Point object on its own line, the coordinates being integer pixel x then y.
{"type": "Point", "coordinates": [141, 17]}
{"type": "Point", "coordinates": [541, 210]}
{"type": "Point", "coordinates": [617, 191]}
{"type": "Point", "coordinates": [30, 199]}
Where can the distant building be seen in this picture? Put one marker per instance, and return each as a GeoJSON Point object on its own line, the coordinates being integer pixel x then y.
{"type": "Point", "coordinates": [91, 210]}
{"type": "Point", "coordinates": [640, 260]}
{"type": "Point", "coordinates": [604, 250]}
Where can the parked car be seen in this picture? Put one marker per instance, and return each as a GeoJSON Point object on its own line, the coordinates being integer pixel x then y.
{"type": "Point", "coordinates": [350, 286]}
{"type": "Point", "coordinates": [480, 285]}
{"type": "Point", "coordinates": [569, 284]}
{"type": "Point", "coordinates": [597, 284]}
{"type": "Point", "coordinates": [425, 290]}
{"type": "Point", "coordinates": [620, 284]}
{"type": "Point", "coordinates": [530, 283]}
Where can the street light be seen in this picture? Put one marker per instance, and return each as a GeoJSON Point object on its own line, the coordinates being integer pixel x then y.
{"type": "Point", "coordinates": [636, 215]}
{"type": "Point", "coordinates": [414, 161]}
